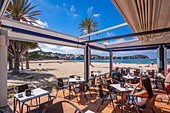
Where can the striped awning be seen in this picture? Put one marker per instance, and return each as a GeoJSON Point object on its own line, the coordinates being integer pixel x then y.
{"type": "Point", "coordinates": [145, 15]}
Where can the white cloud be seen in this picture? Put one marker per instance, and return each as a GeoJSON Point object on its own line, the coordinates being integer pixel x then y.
{"type": "Point", "coordinates": [57, 6]}
{"type": "Point", "coordinates": [115, 42]}
{"type": "Point", "coordinates": [96, 15]}
{"type": "Point", "coordinates": [64, 4]}
{"type": "Point", "coordinates": [89, 10]}
{"type": "Point", "coordinates": [72, 8]}
{"type": "Point", "coordinates": [109, 34]}
{"type": "Point", "coordinates": [71, 50]}
{"type": "Point", "coordinates": [41, 24]}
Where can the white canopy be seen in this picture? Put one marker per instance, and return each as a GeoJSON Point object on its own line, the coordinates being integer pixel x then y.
{"type": "Point", "coordinates": [145, 15]}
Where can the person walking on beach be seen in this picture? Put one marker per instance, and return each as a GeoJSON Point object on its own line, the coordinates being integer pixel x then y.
{"type": "Point", "coordinates": [152, 63]}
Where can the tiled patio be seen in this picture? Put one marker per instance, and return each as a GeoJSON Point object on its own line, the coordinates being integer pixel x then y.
{"type": "Point", "coordinates": [94, 103]}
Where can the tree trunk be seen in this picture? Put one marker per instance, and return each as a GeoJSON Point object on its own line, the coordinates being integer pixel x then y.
{"type": "Point", "coordinates": [16, 59]}
{"type": "Point", "coordinates": [21, 60]}
{"type": "Point", "coordinates": [10, 62]}
{"type": "Point", "coordinates": [27, 60]}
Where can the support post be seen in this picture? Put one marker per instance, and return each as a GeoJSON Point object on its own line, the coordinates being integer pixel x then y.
{"type": "Point", "coordinates": [110, 62]}
{"type": "Point", "coordinates": [160, 57]}
{"type": "Point", "coordinates": [165, 61]}
{"type": "Point", "coordinates": [86, 62]}
{"type": "Point", "coordinates": [3, 70]}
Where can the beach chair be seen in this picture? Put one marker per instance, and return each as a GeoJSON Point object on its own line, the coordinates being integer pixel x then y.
{"type": "Point", "coordinates": [106, 96]}
{"type": "Point", "coordinates": [59, 107]}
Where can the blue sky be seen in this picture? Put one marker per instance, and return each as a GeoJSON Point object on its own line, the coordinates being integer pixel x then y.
{"type": "Point", "coordinates": [65, 15]}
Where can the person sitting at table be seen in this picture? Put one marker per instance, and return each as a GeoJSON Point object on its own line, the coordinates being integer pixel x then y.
{"type": "Point", "coordinates": [159, 76]}
{"type": "Point", "coordinates": [146, 92]}
{"type": "Point", "coordinates": [116, 74]}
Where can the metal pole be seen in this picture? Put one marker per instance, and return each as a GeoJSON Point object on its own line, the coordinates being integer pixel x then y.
{"type": "Point", "coordinates": [86, 62]}
{"type": "Point", "coordinates": [111, 61]}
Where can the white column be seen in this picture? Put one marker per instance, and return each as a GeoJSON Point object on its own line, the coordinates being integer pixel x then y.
{"type": "Point", "coordinates": [110, 61]}
{"type": "Point", "coordinates": [158, 58]}
{"type": "Point", "coordinates": [3, 70]}
{"type": "Point", "coordinates": [165, 61]}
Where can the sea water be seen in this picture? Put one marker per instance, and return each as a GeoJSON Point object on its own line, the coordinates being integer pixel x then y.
{"type": "Point", "coordinates": [133, 61]}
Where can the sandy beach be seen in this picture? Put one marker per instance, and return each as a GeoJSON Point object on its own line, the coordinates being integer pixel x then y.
{"type": "Point", "coordinates": [44, 75]}
{"type": "Point", "coordinates": [49, 70]}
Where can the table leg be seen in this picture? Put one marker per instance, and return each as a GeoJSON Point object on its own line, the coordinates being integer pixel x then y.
{"type": "Point", "coordinates": [122, 102]}
{"type": "Point", "coordinates": [14, 105]}
{"type": "Point", "coordinates": [69, 91]}
{"type": "Point", "coordinates": [21, 110]}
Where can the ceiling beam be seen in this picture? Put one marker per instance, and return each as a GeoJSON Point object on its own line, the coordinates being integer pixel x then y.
{"type": "Point", "coordinates": [131, 35]}
{"type": "Point", "coordinates": [3, 7]}
{"type": "Point", "coordinates": [104, 30]}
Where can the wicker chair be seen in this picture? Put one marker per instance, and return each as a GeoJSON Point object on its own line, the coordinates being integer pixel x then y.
{"type": "Point", "coordinates": [62, 86]}
{"type": "Point", "coordinates": [41, 106]}
{"type": "Point", "coordinates": [58, 108]}
{"type": "Point", "coordinates": [161, 86]}
{"type": "Point", "coordinates": [150, 104]}
{"type": "Point", "coordinates": [91, 83]}
{"type": "Point", "coordinates": [106, 96]}
{"type": "Point", "coordinates": [82, 88]}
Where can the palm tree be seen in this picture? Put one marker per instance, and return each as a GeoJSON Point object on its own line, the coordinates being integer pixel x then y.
{"type": "Point", "coordinates": [20, 10]}
{"type": "Point", "coordinates": [88, 26]}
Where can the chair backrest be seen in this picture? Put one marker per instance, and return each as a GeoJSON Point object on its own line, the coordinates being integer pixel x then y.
{"type": "Point", "coordinates": [161, 85]}
{"type": "Point", "coordinates": [134, 81]}
{"type": "Point", "coordinates": [115, 80]}
{"type": "Point", "coordinates": [44, 105]}
{"type": "Point", "coordinates": [58, 108]}
{"type": "Point", "coordinates": [82, 86]}
{"type": "Point", "coordinates": [122, 72]}
{"type": "Point", "coordinates": [60, 82]}
{"type": "Point", "coordinates": [151, 73]}
{"type": "Point", "coordinates": [127, 70]}
{"type": "Point", "coordinates": [101, 94]}
{"type": "Point", "coordinates": [71, 76]}
{"type": "Point", "coordinates": [108, 85]}
{"type": "Point", "coordinates": [137, 70]}
{"type": "Point", "coordinates": [54, 108]}
{"type": "Point", "coordinates": [92, 82]}
{"type": "Point", "coordinates": [136, 73]}
{"type": "Point", "coordinates": [151, 102]}
{"type": "Point", "coordinates": [21, 88]}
